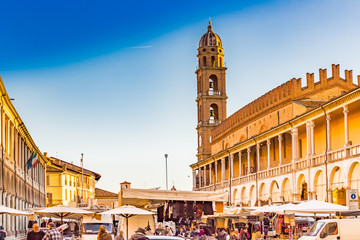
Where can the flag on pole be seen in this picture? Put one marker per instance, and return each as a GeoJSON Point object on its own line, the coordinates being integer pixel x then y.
{"type": "Point", "coordinates": [32, 161]}
{"type": "Point", "coordinates": [35, 161]}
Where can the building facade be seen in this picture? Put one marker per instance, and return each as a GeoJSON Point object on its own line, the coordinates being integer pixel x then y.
{"type": "Point", "coordinates": [20, 187]}
{"type": "Point", "coordinates": [293, 143]}
{"type": "Point", "coordinates": [68, 184]}
{"type": "Point", "coordinates": [106, 198]}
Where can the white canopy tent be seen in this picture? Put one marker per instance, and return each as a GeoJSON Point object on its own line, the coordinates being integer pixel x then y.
{"type": "Point", "coordinates": [127, 212]}
{"type": "Point", "coordinates": [13, 212]}
{"type": "Point", "coordinates": [62, 211]}
{"type": "Point", "coordinates": [315, 206]}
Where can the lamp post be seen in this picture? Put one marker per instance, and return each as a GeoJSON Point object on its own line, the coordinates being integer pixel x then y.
{"type": "Point", "coordinates": [166, 156]}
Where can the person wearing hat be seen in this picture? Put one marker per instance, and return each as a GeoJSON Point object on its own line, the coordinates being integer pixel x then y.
{"type": "Point", "coordinates": [139, 235]}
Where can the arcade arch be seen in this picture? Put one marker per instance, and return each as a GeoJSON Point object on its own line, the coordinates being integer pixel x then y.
{"type": "Point", "coordinates": [320, 185]}
{"type": "Point", "coordinates": [274, 191]}
{"type": "Point", "coordinates": [302, 188]}
{"type": "Point", "coordinates": [286, 189]}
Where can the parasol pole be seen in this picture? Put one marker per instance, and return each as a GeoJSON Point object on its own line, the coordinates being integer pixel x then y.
{"type": "Point", "coordinates": [127, 228]}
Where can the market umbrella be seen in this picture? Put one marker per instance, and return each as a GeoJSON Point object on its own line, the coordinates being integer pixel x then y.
{"type": "Point", "coordinates": [13, 212]}
{"type": "Point", "coordinates": [127, 211]}
{"type": "Point", "coordinates": [315, 206]}
{"type": "Point", "coordinates": [62, 211]}
{"type": "Point", "coordinates": [273, 208]}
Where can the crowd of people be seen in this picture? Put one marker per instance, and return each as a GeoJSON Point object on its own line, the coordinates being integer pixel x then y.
{"type": "Point", "coordinates": [204, 232]}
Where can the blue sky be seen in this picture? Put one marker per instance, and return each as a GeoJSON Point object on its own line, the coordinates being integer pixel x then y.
{"type": "Point", "coordinates": [115, 79]}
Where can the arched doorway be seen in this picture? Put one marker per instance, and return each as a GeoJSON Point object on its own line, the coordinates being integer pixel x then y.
{"type": "Point", "coordinates": [337, 181]}
{"type": "Point", "coordinates": [274, 191]}
{"type": "Point", "coordinates": [354, 176]}
{"type": "Point", "coordinates": [320, 186]}
{"type": "Point", "coordinates": [302, 188]}
{"type": "Point", "coordinates": [286, 190]}
{"type": "Point", "coordinates": [252, 196]}
{"type": "Point", "coordinates": [244, 197]}
{"type": "Point", "coordinates": [263, 195]}
{"type": "Point", "coordinates": [235, 197]}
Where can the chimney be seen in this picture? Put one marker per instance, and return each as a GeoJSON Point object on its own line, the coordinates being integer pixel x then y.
{"type": "Point", "coordinates": [45, 154]}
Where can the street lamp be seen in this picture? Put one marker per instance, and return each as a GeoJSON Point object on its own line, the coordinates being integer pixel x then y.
{"type": "Point", "coordinates": [166, 156]}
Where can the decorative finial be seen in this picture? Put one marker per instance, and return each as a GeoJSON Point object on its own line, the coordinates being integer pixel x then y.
{"type": "Point", "coordinates": [210, 28]}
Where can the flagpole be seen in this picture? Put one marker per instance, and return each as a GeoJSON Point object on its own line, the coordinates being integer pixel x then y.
{"type": "Point", "coordinates": [82, 177]}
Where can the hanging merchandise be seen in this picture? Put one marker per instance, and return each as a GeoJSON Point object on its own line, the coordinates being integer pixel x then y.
{"type": "Point", "coordinates": [199, 210]}
{"type": "Point", "coordinates": [190, 210]}
{"type": "Point", "coordinates": [208, 208]}
{"type": "Point", "coordinates": [160, 213]}
{"type": "Point", "coordinates": [179, 210]}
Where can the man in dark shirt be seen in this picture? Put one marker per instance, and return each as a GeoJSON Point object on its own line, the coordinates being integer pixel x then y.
{"type": "Point", "coordinates": [35, 234]}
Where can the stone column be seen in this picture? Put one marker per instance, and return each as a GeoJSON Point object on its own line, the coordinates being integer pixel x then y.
{"type": "Point", "coordinates": [248, 159]}
{"type": "Point", "coordinates": [268, 142]}
{"type": "Point", "coordinates": [199, 173]}
{"type": "Point", "coordinates": [308, 140]}
{"type": "Point", "coordinates": [312, 125]}
{"type": "Point", "coordinates": [231, 166]}
{"type": "Point", "coordinates": [280, 152]}
{"type": "Point", "coordinates": [258, 157]}
{"type": "Point", "coordinates": [346, 124]}
{"type": "Point", "coordinates": [194, 178]}
{"type": "Point", "coordinates": [223, 169]}
{"type": "Point", "coordinates": [216, 172]}
{"type": "Point", "coordinates": [328, 142]}
{"type": "Point", "coordinates": [295, 144]}
{"type": "Point", "coordinates": [210, 173]}
{"type": "Point", "coordinates": [204, 173]}
{"type": "Point", "coordinates": [240, 168]}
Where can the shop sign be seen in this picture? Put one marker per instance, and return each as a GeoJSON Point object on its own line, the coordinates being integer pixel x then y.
{"type": "Point", "coordinates": [353, 199]}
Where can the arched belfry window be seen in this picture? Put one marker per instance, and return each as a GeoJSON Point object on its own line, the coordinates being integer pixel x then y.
{"type": "Point", "coordinates": [214, 114]}
{"type": "Point", "coordinates": [213, 85]}
{"type": "Point", "coordinates": [204, 61]}
{"type": "Point", "coordinates": [213, 63]}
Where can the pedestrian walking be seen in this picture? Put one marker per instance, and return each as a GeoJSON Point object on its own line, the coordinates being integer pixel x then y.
{"type": "Point", "coordinates": [52, 233]}
{"type": "Point", "coordinates": [103, 234]}
{"type": "Point", "coordinates": [2, 233]}
{"type": "Point", "coordinates": [235, 235]}
{"type": "Point", "coordinates": [244, 234]}
{"type": "Point", "coordinates": [223, 235]}
{"type": "Point", "coordinates": [160, 231]}
{"type": "Point", "coordinates": [139, 235]}
{"type": "Point", "coordinates": [120, 236]}
{"type": "Point", "coordinates": [35, 234]}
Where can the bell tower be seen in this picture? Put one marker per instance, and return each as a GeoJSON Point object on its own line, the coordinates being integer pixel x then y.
{"type": "Point", "coordinates": [211, 89]}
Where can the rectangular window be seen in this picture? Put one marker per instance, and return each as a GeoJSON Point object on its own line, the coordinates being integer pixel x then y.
{"type": "Point", "coordinates": [300, 148]}
{"type": "Point", "coordinates": [47, 180]}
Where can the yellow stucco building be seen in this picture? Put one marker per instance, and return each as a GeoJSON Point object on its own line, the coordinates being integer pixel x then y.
{"type": "Point", "coordinates": [20, 187]}
{"type": "Point", "coordinates": [294, 142]}
{"type": "Point", "coordinates": [68, 184]}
